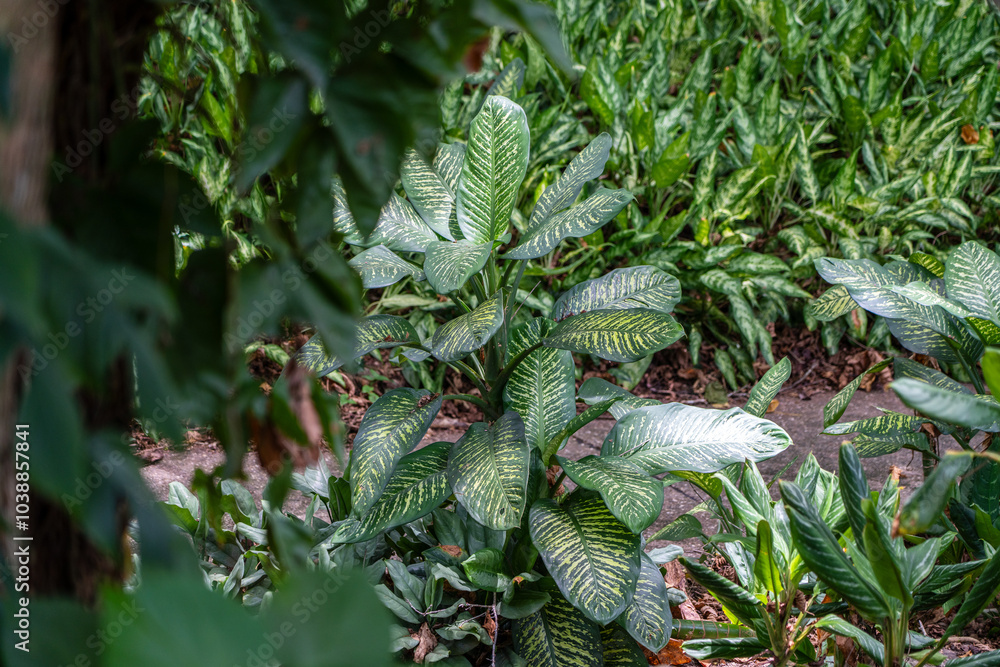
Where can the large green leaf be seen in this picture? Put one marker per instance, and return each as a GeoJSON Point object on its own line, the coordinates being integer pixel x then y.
{"type": "Point", "coordinates": [400, 228]}
{"type": "Point", "coordinates": [467, 333]}
{"type": "Point", "coordinates": [541, 387]}
{"type": "Point", "coordinates": [832, 304]}
{"type": "Point", "coordinates": [635, 287]}
{"type": "Point", "coordinates": [391, 427]}
{"type": "Point", "coordinates": [620, 650]}
{"type": "Point", "coordinates": [647, 616]}
{"type": "Point", "coordinates": [495, 163]}
{"type": "Point", "coordinates": [982, 413]}
{"type": "Point", "coordinates": [486, 570]}
{"type": "Point", "coordinates": [983, 592]}
{"type": "Point", "coordinates": [634, 497]}
{"type": "Point", "coordinates": [869, 644]}
{"type": "Point", "coordinates": [374, 332]}
{"type": "Point", "coordinates": [558, 635]}
{"type": "Point", "coordinates": [616, 335]}
{"type": "Point", "coordinates": [581, 220]}
{"type": "Point", "coordinates": [448, 163]}
{"type": "Point", "coordinates": [592, 556]}
{"type": "Point", "coordinates": [450, 264]}
{"type": "Point", "coordinates": [672, 436]}
{"type": "Point", "coordinates": [767, 388]}
{"type": "Point", "coordinates": [972, 277]}
{"type": "Point", "coordinates": [381, 267]}
{"type": "Point", "coordinates": [488, 470]}
{"type": "Point", "coordinates": [869, 284]}
{"type": "Point", "coordinates": [585, 167]}
{"type": "Point", "coordinates": [418, 486]}
{"type": "Point", "coordinates": [428, 193]}
{"type": "Point", "coordinates": [598, 390]}
{"type": "Point", "coordinates": [925, 506]}
{"type": "Point", "coordinates": [740, 602]}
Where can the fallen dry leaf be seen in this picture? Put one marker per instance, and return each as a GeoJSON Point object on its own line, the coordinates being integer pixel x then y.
{"type": "Point", "coordinates": [451, 550]}
{"type": "Point", "coordinates": [772, 406]}
{"type": "Point", "coordinates": [274, 447]}
{"type": "Point", "coordinates": [970, 135]}
{"type": "Point", "coordinates": [427, 641]}
{"type": "Point", "coordinates": [671, 654]}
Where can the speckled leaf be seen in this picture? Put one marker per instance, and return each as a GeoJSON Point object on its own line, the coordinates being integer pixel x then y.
{"type": "Point", "coordinates": [374, 332]}
{"type": "Point", "coordinates": [979, 412]}
{"type": "Point", "coordinates": [890, 422]}
{"type": "Point", "coordinates": [634, 497]}
{"type": "Point", "coordinates": [400, 228]}
{"type": "Point", "coordinates": [381, 267]}
{"type": "Point", "coordinates": [597, 390]}
{"type": "Point", "coordinates": [592, 556]}
{"type": "Point", "coordinates": [832, 304]}
{"type": "Point", "coordinates": [495, 163]}
{"type": "Point", "coordinates": [647, 616]}
{"type": "Point", "coordinates": [509, 80]}
{"type": "Point", "coordinates": [972, 277]}
{"type": "Point", "coordinates": [418, 486]}
{"type": "Point", "coordinates": [767, 388]}
{"type": "Point", "coordinates": [581, 220]}
{"type": "Point", "coordinates": [469, 332]}
{"type": "Point", "coordinates": [488, 471]}
{"type": "Point", "coordinates": [391, 427]}
{"type": "Point", "coordinates": [541, 387]}
{"type": "Point", "coordinates": [558, 635]}
{"type": "Point", "coordinates": [616, 335]}
{"type": "Point", "coordinates": [669, 437]}
{"type": "Point", "coordinates": [635, 287]}
{"type": "Point", "coordinates": [449, 265]}
{"type": "Point", "coordinates": [833, 410]}
{"type": "Point", "coordinates": [428, 193]}
{"type": "Point", "coordinates": [448, 163]}
{"type": "Point", "coordinates": [585, 167]}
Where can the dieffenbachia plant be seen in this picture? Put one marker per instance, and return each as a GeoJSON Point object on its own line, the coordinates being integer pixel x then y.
{"type": "Point", "coordinates": [453, 229]}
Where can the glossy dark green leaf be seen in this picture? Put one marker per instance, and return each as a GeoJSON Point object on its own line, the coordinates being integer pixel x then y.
{"type": "Point", "coordinates": [634, 497]}
{"type": "Point", "coordinates": [647, 616]}
{"type": "Point", "coordinates": [558, 635]}
{"type": "Point", "coordinates": [982, 413]}
{"type": "Point", "coordinates": [615, 335]}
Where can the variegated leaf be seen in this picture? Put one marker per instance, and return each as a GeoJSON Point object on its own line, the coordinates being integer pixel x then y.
{"type": "Point", "coordinates": [400, 228]}
{"type": "Point", "coordinates": [585, 167]}
{"type": "Point", "coordinates": [374, 332]}
{"type": "Point", "coordinates": [495, 163]}
{"type": "Point", "coordinates": [593, 557]}
{"type": "Point", "coordinates": [672, 436]}
{"type": "Point", "coordinates": [767, 388]}
{"type": "Point", "coordinates": [978, 412]}
{"type": "Point", "coordinates": [870, 446]}
{"type": "Point", "coordinates": [391, 427]}
{"type": "Point", "coordinates": [541, 387]}
{"type": "Point", "coordinates": [886, 424]}
{"type": "Point", "coordinates": [832, 304]}
{"type": "Point", "coordinates": [428, 193]}
{"type": "Point", "coordinates": [488, 471]}
{"type": "Point", "coordinates": [972, 277]}
{"type": "Point", "coordinates": [869, 284]}
{"type": "Point", "coordinates": [467, 333]}
{"type": "Point", "coordinates": [509, 80]}
{"type": "Point", "coordinates": [381, 267]}
{"type": "Point", "coordinates": [558, 635]}
{"type": "Point", "coordinates": [418, 486]}
{"type": "Point", "coordinates": [620, 650]}
{"type": "Point", "coordinates": [597, 390]}
{"type": "Point", "coordinates": [833, 410]}
{"type": "Point", "coordinates": [616, 335]}
{"type": "Point", "coordinates": [906, 368]}
{"type": "Point", "coordinates": [932, 332]}
{"type": "Point", "coordinates": [923, 294]}
{"type": "Point", "coordinates": [581, 220]}
{"type": "Point", "coordinates": [635, 287]}
{"type": "Point", "coordinates": [448, 163]}
{"type": "Point", "coordinates": [343, 219]}
{"type": "Point", "coordinates": [647, 616]}
{"type": "Point", "coordinates": [450, 264]}
{"type": "Point", "coordinates": [634, 497]}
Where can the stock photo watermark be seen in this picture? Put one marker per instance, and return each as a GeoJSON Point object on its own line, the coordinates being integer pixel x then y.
{"type": "Point", "coordinates": [31, 25]}
{"type": "Point", "coordinates": [364, 35]}
{"type": "Point", "coordinates": [21, 563]}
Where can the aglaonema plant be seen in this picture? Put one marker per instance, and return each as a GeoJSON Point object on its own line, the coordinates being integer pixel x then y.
{"type": "Point", "coordinates": [557, 565]}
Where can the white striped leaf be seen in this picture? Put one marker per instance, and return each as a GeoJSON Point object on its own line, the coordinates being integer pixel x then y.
{"type": "Point", "coordinates": [668, 437]}
{"type": "Point", "coordinates": [428, 193]}
{"type": "Point", "coordinates": [467, 333]}
{"type": "Point", "coordinates": [495, 163]}
{"type": "Point", "coordinates": [767, 388]}
{"type": "Point", "coordinates": [620, 650]}
{"type": "Point", "coordinates": [488, 471]}
{"type": "Point", "coordinates": [450, 264]}
{"type": "Point", "coordinates": [593, 557]}
{"type": "Point", "coordinates": [541, 387]}
{"type": "Point", "coordinates": [558, 635]}
{"type": "Point", "coordinates": [400, 228]}
{"type": "Point", "coordinates": [616, 335]}
{"type": "Point", "coordinates": [635, 287]}
{"type": "Point", "coordinates": [391, 427]}
{"type": "Point", "coordinates": [418, 486]}
{"type": "Point", "coordinates": [585, 167]}
{"type": "Point", "coordinates": [634, 497]}
{"type": "Point", "coordinates": [647, 617]}
{"type": "Point", "coordinates": [579, 221]}
{"type": "Point", "coordinates": [868, 284]}
{"type": "Point", "coordinates": [343, 219]}
{"type": "Point", "coordinates": [833, 410]}
{"type": "Point", "coordinates": [509, 80]}
{"type": "Point", "coordinates": [373, 333]}
{"type": "Point", "coordinates": [381, 267]}
{"type": "Point", "coordinates": [597, 390]}
{"type": "Point", "coordinates": [448, 163]}
{"type": "Point", "coordinates": [833, 303]}
{"type": "Point", "coordinates": [972, 276]}
{"type": "Point", "coordinates": [906, 368]}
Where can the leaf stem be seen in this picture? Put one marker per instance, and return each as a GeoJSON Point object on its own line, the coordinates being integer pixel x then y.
{"type": "Point", "coordinates": [501, 380]}
{"type": "Point", "coordinates": [475, 400]}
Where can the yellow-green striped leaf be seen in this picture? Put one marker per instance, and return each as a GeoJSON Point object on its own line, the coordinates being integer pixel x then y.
{"type": "Point", "coordinates": [647, 616]}
{"type": "Point", "coordinates": [450, 264]}
{"type": "Point", "coordinates": [495, 163]}
{"type": "Point", "coordinates": [833, 303]}
{"type": "Point", "coordinates": [582, 219]}
{"type": "Point", "coordinates": [541, 387]}
{"type": "Point", "coordinates": [428, 193]}
{"type": "Point", "coordinates": [597, 390]}
{"type": "Point", "coordinates": [381, 267]}
{"type": "Point", "coordinates": [467, 333]}
{"type": "Point", "coordinates": [620, 650]}
{"type": "Point", "coordinates": [558, 635]}
{"type": "Point", "coordinates": [972, 277]}
{"type": "Point", "coordinates": [634, 497]}
{"type": "Point", "coordinates": [616, 335]}
{"type": "Point", "coordinates": [767, 388]}
{"type": "Point", "coordinates": [833, 410]}
{"type": "Point", "coordinates": [593, 557]}
{"type": "Point", "coordinates": [622, 289]}
{"type": "Point", "coordinates": [400, 228]}
{"type": "Point", "coordinates": [672, 436]}
{"type": "Point", "coordinates": [374, 332]}
{"type": "Point", "coordinates": [418, 486]}
{"type": "Point", "coordinates": [509, 80]}
{"type": "Point", "coordinates": [391, 427]}
{"type": "Point", "coordinates": [488, 471]}
{"type": "Point", "coordinates": [585, 167]}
